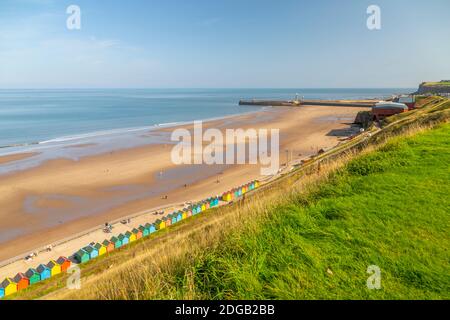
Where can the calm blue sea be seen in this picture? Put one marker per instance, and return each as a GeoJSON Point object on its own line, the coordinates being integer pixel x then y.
{"type": "Point", "coordinates": [31, 116]}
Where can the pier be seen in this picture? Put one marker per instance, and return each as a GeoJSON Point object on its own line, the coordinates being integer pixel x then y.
{"type": "Point", "coordinates": [297, 103]}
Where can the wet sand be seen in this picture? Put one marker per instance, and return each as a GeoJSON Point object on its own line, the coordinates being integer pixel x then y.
{"type": "Point", "coordinates": [61, 197]}
{"type": "Point", "coordinates": [16, 157]}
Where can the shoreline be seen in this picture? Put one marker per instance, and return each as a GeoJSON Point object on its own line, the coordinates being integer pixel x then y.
{"type": "Point", "coordinates": [132, 178]}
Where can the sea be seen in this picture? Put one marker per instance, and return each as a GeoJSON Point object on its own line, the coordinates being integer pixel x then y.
{"type": "Point", "coordinates": [30, 117]}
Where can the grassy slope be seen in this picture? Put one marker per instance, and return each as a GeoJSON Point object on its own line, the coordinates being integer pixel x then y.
{"type": "Point", "coordinates": [385, 208]}
{"type": "Point", "coordinates": [388, 208]}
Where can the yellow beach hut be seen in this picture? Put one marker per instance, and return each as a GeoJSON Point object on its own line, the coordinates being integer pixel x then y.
{"type": "Point", "coordinates": [203, 207]}
{"type": "Point", "coordinates": [184, 215]}
{"type": "Point", "coordinates": [54, 267]}
{"type": "Point", "coordinates": [160, 224]}
{"type": "Point", "coordinates": [101, 249]}
{"type": "Point", "coordinates": [9, 287]}
{"type": "Point", "coordinates": [131, 236]}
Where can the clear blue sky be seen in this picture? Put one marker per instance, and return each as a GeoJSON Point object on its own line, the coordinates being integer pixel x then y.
{"type": "Point", "coordinates": [223, 43]}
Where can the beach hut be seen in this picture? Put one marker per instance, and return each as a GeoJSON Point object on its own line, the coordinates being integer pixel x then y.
{"type": "Point", "coordinates": [189, 213]}
{"type": "Point", "coordinates": [203, 207]}
{"type": "Point", "coordinates": [108, 245]}
{"type": "Point", "coordinates": [44, 272]}
{"type": "Point", "coordinates": [216, 201]}
{"type": "Point", "coordinates": [64, 263]}
{"type": "Point", "coordinates": [2, 293]}
{"type": "Point", "coordinates": [151, 228]}
{"type": "Point", "coordinates": [116, 242]}
{"type": "Point", "coordinates": [22, 281]}
{"type": "Point", "coordinates": [9, 287]}
{"type": "Point", "coordinates": [179, 216]}
{"type": "Point", "coordinates": [33, 276]}
{"type": "Point", "coordinates": [82, 256]}
{"type": "Point", "coordinates": [167, 221]}
{"type": "Point", "coordinates": [256, 184]}
{"type": "Point", "coordinates": [131, 236]}
{"type": "Point", "coordinates": [137, 233]}
{"type": "Point", "coordinates": [124, 239]}
{"type": "Point", "coordinates": [236, 193]}
{"type": "Point", "coordinates": [173, 218]}
{"type": "Point", "coordinates": [100, 248]}
{"type": "Point", "coordinates": [92, 251]}
{"type": "Point", "coordinates": [160, 224]}
{"type": "Point", "coordinates": [145, 232]}
{"type": "Point", "coordinates": [54, 267]}
{"type": "Point", "coordinates": [183, 215]}
{"type": "Point", "coordinates": [206, 203]}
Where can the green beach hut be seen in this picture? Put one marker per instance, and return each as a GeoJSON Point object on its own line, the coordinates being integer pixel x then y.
{"type": "Point", "coordinates": [81, 256]}
{"type": "Point", "coordinates": [117, 243]}
{"type": "Point", "coordinates": [33, 276]}
{"type": "Point", "coordinates": [145, 232]}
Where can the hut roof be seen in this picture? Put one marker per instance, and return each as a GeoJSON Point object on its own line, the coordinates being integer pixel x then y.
{"type": "Point", "coordinates": [6, 282]}
{"type": "Point", "coordinates": [106, 242]}
{"type": "Point", "coordinates": [128, 234]}
{"type": "Point", "coordinates": [19, 277]}
{"type": "Point", "coordinates": [98, 246]}
{"type": "Point", "coordinates": [31, 272]}
{"type": "Point", "coordinates": [41, 268]}
{"type": "Point", "coordinates": [89, 249]}
{"type": "Point", "coordinates": [61, 260]}
{"type": "Point", "coordinates": [135, 230]}
{"type": "Point", "coordinates": [81, 252]}
{"type": "Point", "coordinates": [114, 239]}
{"type": "Point", "coordinates": [51, 264]}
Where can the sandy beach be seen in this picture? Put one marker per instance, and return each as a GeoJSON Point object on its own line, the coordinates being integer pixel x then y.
{"type": "Point", "coordinates": [64, 197]}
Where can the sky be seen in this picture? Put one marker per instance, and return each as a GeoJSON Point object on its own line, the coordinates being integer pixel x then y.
{"type": "Point", "coordinates": [223, 44]}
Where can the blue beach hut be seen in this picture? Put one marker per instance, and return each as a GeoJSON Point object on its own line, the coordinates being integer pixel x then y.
{"type": "Point", "coordinates": [2, 293]}
{"type": "Point", "coordinates": [117, 243]}
{"type": "Point", "coordinates": [151, 228]}
{"type": "Point", "coordinates": [92, 251]}
{"type": "Point", "coordinates": [124, 239]}
{"type": "Point", "coordinates": [44, 272]}
{"type": "Point", "coordinates": [179, 216]}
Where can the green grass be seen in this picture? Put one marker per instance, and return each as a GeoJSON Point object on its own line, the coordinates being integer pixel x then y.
{"type": "Point", "coordinates": [441, 83]}
{"type": "Point", "coordinates": [389, 208]}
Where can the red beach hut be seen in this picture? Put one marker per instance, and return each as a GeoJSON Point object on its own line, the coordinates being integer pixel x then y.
{"type": "Point", "coordinates": [64, 263]}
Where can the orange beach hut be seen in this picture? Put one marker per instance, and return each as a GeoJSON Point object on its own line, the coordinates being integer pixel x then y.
{"type": "Point", "coordinates": [64, 263]}
{"type": "Point", "coordinates": [137, 233]}
{"type": "Point", "coordinates": [22, 281]}
{"type": "Point", "coordinates": [108, 245]}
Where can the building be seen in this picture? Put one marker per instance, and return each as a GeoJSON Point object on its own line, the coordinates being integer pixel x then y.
{"type": "Point", "coordinates": [131, 236]}
{"type": "Point", "coordinates": [33, 276]}
{"type": "Point", "coordinates": [9, 287]}
{"type": "Point", "coordinates": [408, 100]}
{"type": "Point", "coordinates": [116, 242]}
{"type": "Point", "coordinates": [92, 251]}
{"type": "Point", "coordinates": [22, 281]}
{"type": "Point", "coordinates": [145, 232]}
{"type": "Point", "coordinates": [385, 109]}
{"type": "Point", "coordinates": [64, 263]}
{"type": "Point", "coordinates": [44, 272]}
{"type": "Point", "coordinates": [82, 256]}
{"type": "Point", "coordinates": [100, 248]}
{"type": "Point", "coordinates": [124, 239]}
{"type": "Point", "coordinates": [137, 233]}
{"type": "Point", "coordinates": [108, 245]}
{"type": "Point", "coordinates": [151, 228]}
